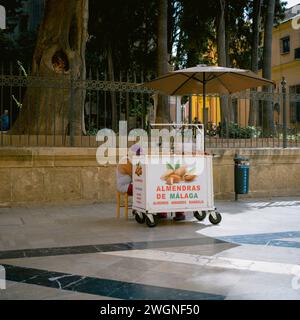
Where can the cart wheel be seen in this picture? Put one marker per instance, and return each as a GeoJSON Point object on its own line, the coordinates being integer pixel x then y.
{"type": "Point", "coordinates": [151, 221]}
{"type": "Point", "coordinates": [215, 217]}
{"type": "Point", "coordinates": [139, 217]}
{"type": "Point", "coordinates": [200, 215]}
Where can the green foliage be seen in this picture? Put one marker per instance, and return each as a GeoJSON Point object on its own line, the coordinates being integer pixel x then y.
{"type": "Point", "coordinates": [139, 108]}
{"type": "Point", "coordinates": [128, 29]}
{"type": "Point", "coordinates": [169, 166]}
{"type": "Point", "coordinates": [234, 131]}
{"type": "Point", "coordinates": [195, 29]}
{"type": "Point", "coordinates": [178, 165]}
{"type": "Point", "coordinates": [92, 131]}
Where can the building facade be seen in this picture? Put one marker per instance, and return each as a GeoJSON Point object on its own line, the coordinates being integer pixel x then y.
{"type": "Point", "coordinates": [286, 60]}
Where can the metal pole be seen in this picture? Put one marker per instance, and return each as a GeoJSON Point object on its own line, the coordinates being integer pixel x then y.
{"type": "Point", "coordinates": [204, 107]}
{"type": "Point", "coordinates": [283, 88]}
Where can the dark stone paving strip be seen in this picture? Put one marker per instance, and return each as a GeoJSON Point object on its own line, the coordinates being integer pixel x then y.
{"type": "Point", "coordinates": [102, 287]}
{"type": "Point", "coordinates": [270, 239]}
{"type": "Point", "coordinates": [46, 252]}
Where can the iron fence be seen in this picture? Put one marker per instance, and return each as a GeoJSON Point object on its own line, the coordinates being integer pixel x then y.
{"type": "Point", "coordinates": [62, 111]}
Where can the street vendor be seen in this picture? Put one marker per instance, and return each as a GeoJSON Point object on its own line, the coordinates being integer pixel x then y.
{"type": "Point", "coordinates": [124, 177]}
{"type": "Point", "coordinates": [124, 171]}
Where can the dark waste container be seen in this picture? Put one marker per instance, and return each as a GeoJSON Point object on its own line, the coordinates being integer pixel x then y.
{"type": "Point", "coordinates": [241, 175]}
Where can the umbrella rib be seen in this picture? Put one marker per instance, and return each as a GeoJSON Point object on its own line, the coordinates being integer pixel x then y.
{"type": "Point", "coordinates": [195, 78]}
{"type": "Point", "coordinates": [215, 77]}
{"type": "Point", "coordinates": [259, 79]}
{"type": "Point", "coordinates": [241, 74]}
{"type": "Point", "coordinates": [187, 80]}
{"type": "Point", "coordinates": [222, 83]}
{"type": "Point", "coordinates": [171, 75]}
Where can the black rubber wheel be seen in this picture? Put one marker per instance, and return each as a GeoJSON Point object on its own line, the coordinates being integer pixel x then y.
{"type": "Point", "coordinates": [151, 224]}
{"type": "Point", "coordinates": [200, 215]}
{"type": "Point", "coordinates": [138, 219]}
{"type": "Point", "coordinates": [217, 220]}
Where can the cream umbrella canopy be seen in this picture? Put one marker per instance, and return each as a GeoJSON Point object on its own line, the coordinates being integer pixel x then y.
{"type": "Point", "coordinates": [204, 79]}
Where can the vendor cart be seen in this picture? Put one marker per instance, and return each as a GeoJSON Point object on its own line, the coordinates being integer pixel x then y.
{"type": "Point", "coordinates": [153, 188]}
{"type": "Point", "coordinates": [173, 183]}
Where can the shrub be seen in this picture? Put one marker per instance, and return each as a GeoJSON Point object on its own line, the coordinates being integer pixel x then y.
{"type": "Point", "coordinates": [237, 132]}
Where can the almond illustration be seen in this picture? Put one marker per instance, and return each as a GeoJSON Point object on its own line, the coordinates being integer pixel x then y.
{"type": "Point", "coordinates": [166, 175]}
{"type": "Point", "coordinates": [189, 177]}
{"type": "Point", "coordinates": [170, 181]}
{"type": "Point", "coordinates": [180, 171]}
{"type": "Point", "coordinates": [176, 178]}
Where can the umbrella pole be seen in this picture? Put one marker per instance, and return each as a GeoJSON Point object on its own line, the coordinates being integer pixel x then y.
{"type": "Point", "coordinates": [204, 107]}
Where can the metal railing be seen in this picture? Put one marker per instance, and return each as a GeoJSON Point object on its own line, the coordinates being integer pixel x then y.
{"type": "Point", "coordinates": [60, 111]}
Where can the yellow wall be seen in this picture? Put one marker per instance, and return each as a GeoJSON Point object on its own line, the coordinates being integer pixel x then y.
{"type": "Point", "coordinates": [212, 109]}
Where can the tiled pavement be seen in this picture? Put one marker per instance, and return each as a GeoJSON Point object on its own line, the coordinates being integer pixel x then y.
{"type": "Point", "coordinates": [83, 252]}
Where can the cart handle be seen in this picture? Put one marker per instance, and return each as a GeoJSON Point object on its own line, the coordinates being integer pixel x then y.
{"type": "Point", "coordinates": [199, 127]}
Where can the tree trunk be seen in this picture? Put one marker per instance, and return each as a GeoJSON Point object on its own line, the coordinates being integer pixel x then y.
{"type": "Point", "coordinates": [59, 54]}
{"type": "Point", "coordinates": [222, 56]}
{"type": "Point", "coordinates": [254, 57]}
{"type": "Point", "coordinates": [228, 102]}
{"type": "Point", "coordinates": [111, 77]}
{"type": "Point", "coordinates": [227, 33]}
{"type": "Point", "coordinates": [163, 113]}
{"type": "Point", "coordinates": [221, 34]}
{"type": "Point", "coordinates": [179, 50]}
{"type": "Point", "coordinates": [268, 118]}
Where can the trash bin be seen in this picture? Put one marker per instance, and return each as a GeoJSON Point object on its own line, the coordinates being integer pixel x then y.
{"type": "Point", "coordinates": [241, 175]}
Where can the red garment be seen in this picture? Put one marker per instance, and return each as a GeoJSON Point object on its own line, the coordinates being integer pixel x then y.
{"type": "Point", "coordinates": [130, 190]}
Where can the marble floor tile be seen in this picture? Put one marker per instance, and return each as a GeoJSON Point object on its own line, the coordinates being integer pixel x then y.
{"type": "Point", "coordinates": [252, 254]}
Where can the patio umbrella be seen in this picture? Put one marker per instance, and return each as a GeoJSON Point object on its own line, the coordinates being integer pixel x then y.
{"type": "Point", "coordinates": [204, 79]}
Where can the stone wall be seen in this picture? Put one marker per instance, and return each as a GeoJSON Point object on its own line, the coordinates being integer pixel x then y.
{"type": "Point", "coordinates": [67, 175]}
{"type": "Point", "coordinates": [273, 172]}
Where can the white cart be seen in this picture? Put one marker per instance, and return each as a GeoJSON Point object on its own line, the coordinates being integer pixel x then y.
{"type": "Point", "coordinates": [173, 183]}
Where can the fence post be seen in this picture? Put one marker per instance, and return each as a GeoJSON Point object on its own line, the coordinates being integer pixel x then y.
{"type": "Point", "coordinates": [283, 89]}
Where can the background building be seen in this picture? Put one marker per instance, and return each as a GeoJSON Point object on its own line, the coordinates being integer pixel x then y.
{"type": "Point", "coordinates": [286, 60]}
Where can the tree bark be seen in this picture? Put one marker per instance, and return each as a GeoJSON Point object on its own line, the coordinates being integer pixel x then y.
{"type": "Point", "coordinates": [163, 114]}
{"type": "Point", "coordinates": [268, 118]}
{"type": "Point", "coordinates": [59, 54]}
{"type": "Point", "coordinates": [228, 102]}
{"type": "Point", "coordinates": [221, 34]}
{"type": "Point", "coordinates": [222, 56]}
{"type": "Point", "coordinates": [254, 56]}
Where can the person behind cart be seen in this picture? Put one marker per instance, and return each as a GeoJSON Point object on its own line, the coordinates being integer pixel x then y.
{"type": "Point", "coordinates": [197, 123]}
{"type": "Point", "coordinates": [124, 180]}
